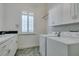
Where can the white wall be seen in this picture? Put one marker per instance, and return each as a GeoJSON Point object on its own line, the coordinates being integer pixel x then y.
{"type": "Point", "coordinates": [1, 16]}
{"type": "Point", "coordinates": [13, 17]}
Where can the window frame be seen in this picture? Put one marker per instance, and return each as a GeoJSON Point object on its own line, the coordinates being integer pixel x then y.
{"type": "Point", "coordinates": [20, 30]}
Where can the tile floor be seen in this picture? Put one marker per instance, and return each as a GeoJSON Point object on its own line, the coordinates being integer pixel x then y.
{"type": "Point", "coordinates": [33, 51]}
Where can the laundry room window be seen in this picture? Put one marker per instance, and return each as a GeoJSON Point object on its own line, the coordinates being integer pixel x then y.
{"type": "Point", "coordinates": [27, 22]}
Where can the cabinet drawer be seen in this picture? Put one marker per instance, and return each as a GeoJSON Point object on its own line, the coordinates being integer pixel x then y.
{"type": "Point", "coordinates": [14, 48]}
{"type": "Point", "coordinates": [11, 48]}
{"type": "Point", "coordinates": [4, 47]}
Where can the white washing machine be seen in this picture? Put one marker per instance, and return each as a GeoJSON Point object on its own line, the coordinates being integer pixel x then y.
{"type": "Point", "coordinates": [43, 42]}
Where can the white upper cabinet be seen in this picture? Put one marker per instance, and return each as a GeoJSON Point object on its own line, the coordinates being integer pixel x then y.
{"type": "Point", "coordinates": [75, 12]}
{"type": "Point", "coordinates": [70, 13]}
{"type": "Point", "coordinates": [55, 16]}
{"type": "Point", "coordinates": [66, 13]}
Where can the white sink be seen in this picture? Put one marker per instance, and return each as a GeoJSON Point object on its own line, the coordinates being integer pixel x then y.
{"type": "Point", "coordinates": [70, 34]}
{"type": "Point", "coordinates": [65, 40]}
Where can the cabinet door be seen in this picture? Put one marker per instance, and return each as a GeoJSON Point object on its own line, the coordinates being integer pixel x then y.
{"type": "Point", "coordinates": [5, 48]}
{"type": "Point", "coordinates": [55, 48]}
{"type": "Point", "coordinates": [78, 11]}
{"type": "Point", "coordinates": [67, 7]}
{"type": "Point", "coordinates": [50, 18]}
{"type": "Point", "coordinates": [75, 12]}
{"type": "Point", "coordinates": [42, 46]}
{"type": "Point", "coordinates": [70, 13]}
{"type": "Point", "coordinates": [55, 16]}
{"type": "Point", "coordinates": [13, 46]}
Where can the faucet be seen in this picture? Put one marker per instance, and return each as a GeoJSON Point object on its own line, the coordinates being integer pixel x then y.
{"type": "Point", "coordinates": [58, 34]}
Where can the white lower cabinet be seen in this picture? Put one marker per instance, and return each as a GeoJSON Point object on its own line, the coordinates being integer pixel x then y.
{"type": "Point", "coordinates": [9, 47]}
{"type": "Point", "coordinates": [56, 48]}
{"type": "Point", "coordinates": [42, 45]}
{"type": "Point", "coordinates": [59, 46]}
{"type": "Point", "coordinates": [13, 47]}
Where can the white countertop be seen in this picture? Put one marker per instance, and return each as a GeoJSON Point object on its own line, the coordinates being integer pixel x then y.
{"type": "Point", "coordinates": [6, 37]}
{"type": "Point", "coordinates": [65, 40]}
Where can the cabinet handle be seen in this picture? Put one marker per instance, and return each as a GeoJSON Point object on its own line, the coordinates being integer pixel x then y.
{"type": "Point", "coordinates": [8, 51]}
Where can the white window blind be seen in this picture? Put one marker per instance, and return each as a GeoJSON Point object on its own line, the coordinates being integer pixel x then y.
{"type": "Point", "coordinates": [27, 22]}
